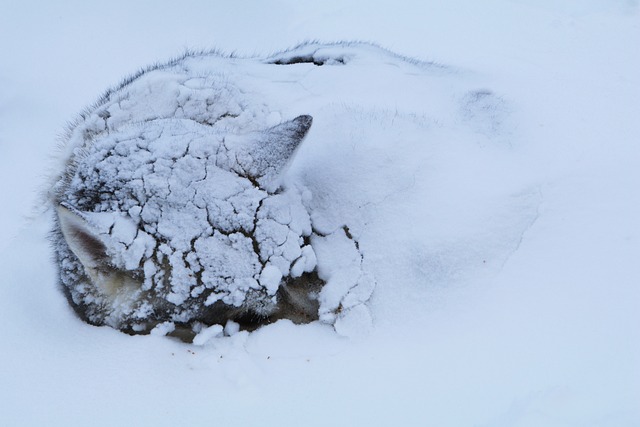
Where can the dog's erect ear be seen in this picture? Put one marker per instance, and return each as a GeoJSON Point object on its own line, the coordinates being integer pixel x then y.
{"type": "Point", "coordinates": [266, 155]}
{"type": "Point", "coordinates": [82, 238]}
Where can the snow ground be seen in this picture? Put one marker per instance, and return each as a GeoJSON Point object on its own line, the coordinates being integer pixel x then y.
{"type": "Point", "coordinates": [507, 288]}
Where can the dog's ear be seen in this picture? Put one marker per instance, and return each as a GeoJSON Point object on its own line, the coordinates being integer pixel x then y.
{"type": "Point", "coordinates": [88, 236]}
{"type": "Point", "coordinates": [265, 156]}
{"type": "Point", "coordinates": [83, 239]}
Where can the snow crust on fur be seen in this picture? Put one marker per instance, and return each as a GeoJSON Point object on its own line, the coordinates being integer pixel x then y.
{"type": "Point", "coordinates": [177, 173]}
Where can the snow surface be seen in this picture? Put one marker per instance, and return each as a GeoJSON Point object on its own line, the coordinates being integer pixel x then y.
{"type": "Point", "coordinates": [494, 201]}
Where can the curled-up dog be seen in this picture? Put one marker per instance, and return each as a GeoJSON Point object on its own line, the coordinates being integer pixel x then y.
{"type": "Point", "coordinates": [170, 208]}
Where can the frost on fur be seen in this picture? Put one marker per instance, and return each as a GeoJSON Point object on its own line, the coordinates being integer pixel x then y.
{"type": "Point", "coordinates": [171, 211]}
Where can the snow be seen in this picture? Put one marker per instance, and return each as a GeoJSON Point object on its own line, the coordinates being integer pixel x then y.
{"type": "Point", "coordinates": [488, 189]}
{"type": "Point", "coordinates": [206, 334]}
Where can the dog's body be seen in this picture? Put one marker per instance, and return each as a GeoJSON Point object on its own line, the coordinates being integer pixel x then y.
{"type": "Point", "coordinates": [170, 205]}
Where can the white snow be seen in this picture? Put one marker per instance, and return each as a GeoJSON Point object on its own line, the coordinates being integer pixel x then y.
{"type": "Point", "coordinates": [206, 334]}
{"type": "Point", "coordinates": [270, 278]}
{"type": "Point", "coordinates": [493, 200]}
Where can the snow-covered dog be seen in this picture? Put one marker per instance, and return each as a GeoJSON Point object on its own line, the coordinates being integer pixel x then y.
{"type": "Point", "coordinates": [215, 188]}
{"type": "Point", "coordinates": [170, 209]}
